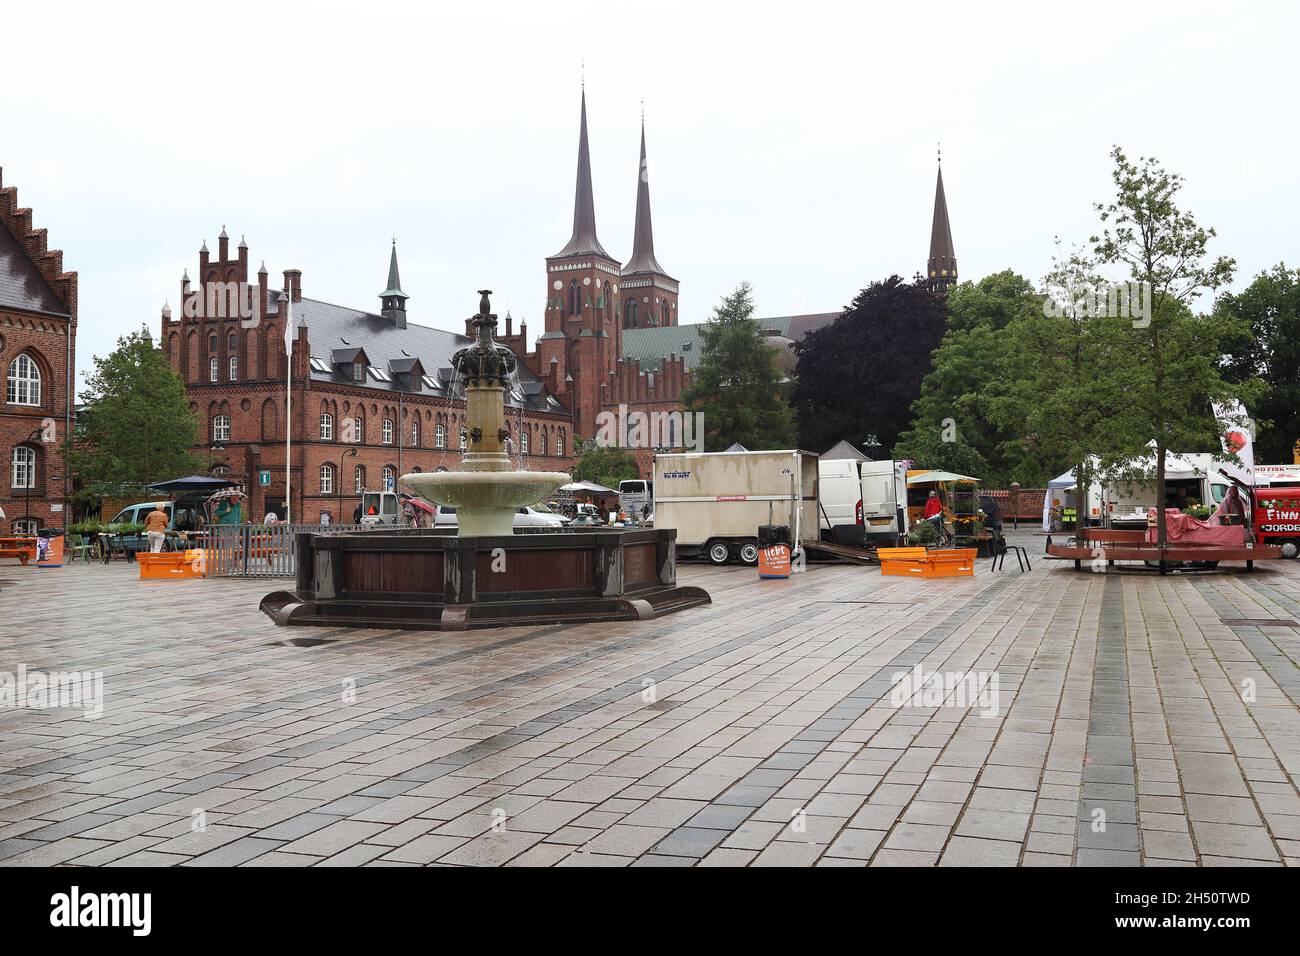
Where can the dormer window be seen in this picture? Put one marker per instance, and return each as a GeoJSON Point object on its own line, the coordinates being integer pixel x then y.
{"type": "Point", "coordinates": [358, 372]}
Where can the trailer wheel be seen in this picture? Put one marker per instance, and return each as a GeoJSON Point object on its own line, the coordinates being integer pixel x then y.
{"type": "Point", "coordinates": [719, 553]}
{"type": "Point", "coordinates": [1290, 548]}
{"type": "Point", "coordinates": [749, 553]}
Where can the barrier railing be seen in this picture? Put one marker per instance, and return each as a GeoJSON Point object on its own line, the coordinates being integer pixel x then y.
{"type": "Point", "coordinates": [258, 551]}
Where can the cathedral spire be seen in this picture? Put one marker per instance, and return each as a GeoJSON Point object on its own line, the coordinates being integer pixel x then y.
{"type": "Point", "coordinates": [942, 267]}
{"type": "Point", "coordinates": [643, 239]}
{"type": "Point", "coordinates": [584, 239]}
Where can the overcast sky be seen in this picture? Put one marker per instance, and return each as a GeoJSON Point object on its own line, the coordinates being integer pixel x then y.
{"type": "Point", "coordinates": [792, 145]}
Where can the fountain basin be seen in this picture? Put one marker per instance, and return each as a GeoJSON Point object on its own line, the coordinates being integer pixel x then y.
{"type": "Point", "coordinates": [485, 501]}
{"type": "Point", "coordinates": [433, 579]}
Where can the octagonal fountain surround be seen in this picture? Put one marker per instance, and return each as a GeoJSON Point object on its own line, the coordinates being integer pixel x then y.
{"type": "Point", "coordinates": [485, 491]}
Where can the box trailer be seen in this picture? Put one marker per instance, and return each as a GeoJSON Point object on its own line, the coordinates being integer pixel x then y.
{"type": "Point", "coordinates": [717, 500]}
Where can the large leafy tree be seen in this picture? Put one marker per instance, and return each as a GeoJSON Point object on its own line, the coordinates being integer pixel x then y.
{"type": "Point", "coordinates": [605, 465]}
{"type": "Point", "coordinates": [856, 379]}
{"type": "Point", "coordinates": [137, 427]}
{"type": "Point", "coordinates": [963, 398]}
{"type": "Point", "coordinates": [737, 386]}
{"type": "Point", "coordinates": [1270, 350]}
{"type": "Point", "coordinates": [1175, 369]}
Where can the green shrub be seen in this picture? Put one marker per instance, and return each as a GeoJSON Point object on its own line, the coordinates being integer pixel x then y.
{"type": "Point", "coordinates": [923, 535]}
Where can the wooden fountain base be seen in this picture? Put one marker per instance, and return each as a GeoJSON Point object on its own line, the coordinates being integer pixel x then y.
{"type": "Point", "coordinates": [436, 580]}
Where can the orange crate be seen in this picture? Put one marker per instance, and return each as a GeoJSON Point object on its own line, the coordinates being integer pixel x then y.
{"type": "Point", "coordinates": [918, 562]}
{"type": "Point", "coordinates": [170, 565]}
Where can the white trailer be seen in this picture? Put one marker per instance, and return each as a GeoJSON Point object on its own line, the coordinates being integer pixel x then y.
{"type": "Point", "coordinates": [717, 500]}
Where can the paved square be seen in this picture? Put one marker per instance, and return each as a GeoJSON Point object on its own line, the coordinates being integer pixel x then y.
{"type": "Point", "coordinates": [1132, 725]}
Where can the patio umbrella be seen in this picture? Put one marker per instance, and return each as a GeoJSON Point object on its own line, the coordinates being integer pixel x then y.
{"type": "Point", "coordinates": [928, 477]}
{"type": "Point", "coordinates": [192, 483]}
{"type": "Point", "coordinates": [421, 504]}
{"type": "Point", "coordinates": [588, 486]}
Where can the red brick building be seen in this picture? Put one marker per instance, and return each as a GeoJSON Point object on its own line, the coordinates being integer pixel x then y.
{"type": "Point", "coordinates": [38, 329]}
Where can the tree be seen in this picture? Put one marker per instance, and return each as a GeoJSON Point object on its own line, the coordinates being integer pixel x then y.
{"type": "Point", "coordinates": [927, 449]}
{"type": "Point", "coordinates": [972, 372]}
{"type": "Point", "coordinates": [1164, 249]}
{"type": "Point", "coordinates": [856, 379]}
{"type": "Point", "coordinates": [1269, 348]}
{"type": "Point", "coordinates": [137, 427]}
{"type": "Point", "coordinates": [737, 386]}
{"type": "Point", "coordinates": [605, 465]}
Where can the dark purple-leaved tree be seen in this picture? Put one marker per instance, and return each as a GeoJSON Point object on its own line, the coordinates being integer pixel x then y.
{"type": "Point", "coordinates": [856, 379]}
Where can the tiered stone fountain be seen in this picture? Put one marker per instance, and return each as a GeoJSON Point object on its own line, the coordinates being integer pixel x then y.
{"type": "Point", "coordinates": [485, 492]}
{"type": "Point", "coordinates": [485, 575]}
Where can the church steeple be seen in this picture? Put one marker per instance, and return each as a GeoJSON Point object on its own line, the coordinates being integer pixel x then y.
{"type": "Point", "coordinates": [942, 267]}
{"type": "Point", "coordinates": [393, 298]}
{"type": "Point", "coordinates": [650, 294]}
{"type": "Point", "coordinates": [584, 239]}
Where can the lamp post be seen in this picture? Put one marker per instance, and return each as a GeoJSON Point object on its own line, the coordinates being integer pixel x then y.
{"type": "Point", "coordinates": [1015, 504]}
{"type": "Point", "coordinates": [349, 453]}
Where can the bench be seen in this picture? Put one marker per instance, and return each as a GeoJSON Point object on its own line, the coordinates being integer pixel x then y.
{"type": "Point", "coordinates": [1129, 549]}
{"type": "Point", "coordinates": [23, 548]}
{"type": "Point", "coordinates": [920, 562]}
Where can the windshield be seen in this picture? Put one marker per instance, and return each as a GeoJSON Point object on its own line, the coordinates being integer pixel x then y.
{"type": "Point", "coordinates": [540, 506]}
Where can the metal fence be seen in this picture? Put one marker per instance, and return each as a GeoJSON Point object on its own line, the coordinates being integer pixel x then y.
{"type": "Point", "coordinates": [257, 551]}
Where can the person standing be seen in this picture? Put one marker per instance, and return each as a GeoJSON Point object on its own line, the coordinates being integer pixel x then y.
{"type": "Point", "coordinates": [155, 527]}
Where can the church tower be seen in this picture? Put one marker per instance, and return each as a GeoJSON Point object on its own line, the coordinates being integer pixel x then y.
{"type": "Point", "coordinates": [582, 338]}
{"type": "Point", "coordinates": [941, 271]}
{"type": "Point", "coordinates": [649, 293]}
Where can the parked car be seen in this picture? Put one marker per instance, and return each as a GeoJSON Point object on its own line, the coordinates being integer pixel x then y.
{"type": "Point", "coordinates": [527, 516]}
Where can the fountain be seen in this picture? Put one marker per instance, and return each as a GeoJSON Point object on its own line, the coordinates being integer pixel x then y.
{"type": "Point", "coordinates": [485, 491]}
{"type": "Point", "coordinates": [486, 574]}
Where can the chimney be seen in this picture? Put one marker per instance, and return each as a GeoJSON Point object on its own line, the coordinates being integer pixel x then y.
{"type": "Point", "coordinates": [293, 280]}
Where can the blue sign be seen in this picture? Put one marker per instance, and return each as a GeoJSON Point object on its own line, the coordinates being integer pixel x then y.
{"type": "Point", "coordinates": [388, 483]}
{"type": "Point", "coordinates": [264, 476]}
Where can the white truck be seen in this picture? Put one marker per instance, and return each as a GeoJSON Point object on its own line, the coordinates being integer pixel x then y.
{"type": "Point", "coordinates": [717, 500]}
{"type": "Point", "coordinates": [863, 502]}
{"type": "Point", "coordinates": [1190, 478]}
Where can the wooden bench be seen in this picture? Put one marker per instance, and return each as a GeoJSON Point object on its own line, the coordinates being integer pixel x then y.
{"type": "Point", "coordinates": [922, 563]}
{"type": "Point", "coordinates": [1139, 549]}
{"type": "Point", "coordinates": [22, 548]}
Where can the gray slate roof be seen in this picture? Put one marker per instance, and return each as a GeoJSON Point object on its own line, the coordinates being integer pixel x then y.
{"type": "Point", "coordinates": [650, 346]}
{"type": "Point", "coordinates": [843, 450]}
{"type": "Point", "coordinates": [21, 284]}
{"type": "Point", "coordinates": [336, 329]}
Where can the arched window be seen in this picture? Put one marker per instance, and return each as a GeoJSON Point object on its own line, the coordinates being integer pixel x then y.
{"type": "Point", "coordinates": [415, 433]}
{"type": "Point", "coordinates": [390, 478]}
{"type": "Point", "coordinates": [212, 369]}
{"type": "Point", "coordinates": [523, 440]}
{"type": "Point", "coordinates": [221, 428]}
{"type": "Point", "coordinates": [575, 298]}
{"type": "Point", "coordinates": [664, 319]}
{"type": "Point", "coordinates": [233, 342]}
{"type": "Point", "coordinates": [359, 479]}
{"type": "Point", "coordinates": [542, 440]}
{"type": "Point", "coordinates": [629, 313]}
{"type": "Point", "coordinates": [440, 436]}
{"type": "Point", "coordinates": [327, 479]}
{"type": "Point", "coordinates": [234, 368]}
{"type": "Point", "coordinates": [212, 342]}
{"type": "Point", "coordinates": [24, 386]}
{"type": "Point", "coordinates": [270, 420]}
{"type": "Point", "coordinates": [388, 431]}
{"type": "Point", "coordinates": [559, 443]}
{"type": "Point", "coordinates": [359, 430]}
{"type": "Point", "coordinates": [326, 426]}
{"type": "Point", "coordinates": [464, 438]}
{"type": "Point", "coordinates": [23, 473]}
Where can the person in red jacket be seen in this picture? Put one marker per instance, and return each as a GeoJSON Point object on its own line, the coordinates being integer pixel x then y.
{"type": "Point", "coordinates": [934, 510]}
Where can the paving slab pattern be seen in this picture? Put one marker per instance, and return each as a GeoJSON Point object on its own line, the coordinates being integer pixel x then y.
{"type": "Point", "coordinates": [1137, 720]}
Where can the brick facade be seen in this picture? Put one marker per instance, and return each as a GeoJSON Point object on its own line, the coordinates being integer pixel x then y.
{"type": "Point", "coordinates": [38, 321]}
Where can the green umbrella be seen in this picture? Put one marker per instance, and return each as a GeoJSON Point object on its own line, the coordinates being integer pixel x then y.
{"type": "Point", "coordinates": [929, 477]}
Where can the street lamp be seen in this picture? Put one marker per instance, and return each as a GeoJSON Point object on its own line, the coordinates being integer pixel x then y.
{"type": "Point", "coordinates": [349, 453]}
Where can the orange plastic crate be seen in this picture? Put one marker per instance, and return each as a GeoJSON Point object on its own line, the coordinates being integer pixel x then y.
{"type": "Point", "coordinates": [920, 563]}
{"type": "Point", "coordinates": [169, 565]}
